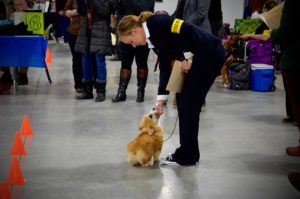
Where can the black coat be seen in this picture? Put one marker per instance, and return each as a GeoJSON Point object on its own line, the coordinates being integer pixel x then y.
{"type": "Point", "coordinates": [190, 38]}
{"type": "Point", "coordinates": [207, 49]}
{"type": "Point", "coordinates": [134, 7]}
{"type": "Point", "coordinates": [100, 34]}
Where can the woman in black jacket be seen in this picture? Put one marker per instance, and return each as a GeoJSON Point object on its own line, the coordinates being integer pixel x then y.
{"type": "Point", "coordinates": [201, 55]}
{"type": "Point", "coordinates": [128, 53]}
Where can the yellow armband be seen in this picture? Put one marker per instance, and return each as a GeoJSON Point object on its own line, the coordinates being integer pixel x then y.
{"type": "Point", "coordinates": [176, 26]}
{"type": "Point", "coordinates": [266, 33]}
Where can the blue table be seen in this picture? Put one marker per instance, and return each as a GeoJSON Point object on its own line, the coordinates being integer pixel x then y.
{"type": "Point", "coordinates": [23, 51]}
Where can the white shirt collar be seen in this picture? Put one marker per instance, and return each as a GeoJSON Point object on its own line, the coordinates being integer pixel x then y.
{"type": "Point", "coordinates": [150, 45]}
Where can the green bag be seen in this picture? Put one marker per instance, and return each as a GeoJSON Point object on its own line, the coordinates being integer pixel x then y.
{"type": "Point", "coordinates": [246, 26]}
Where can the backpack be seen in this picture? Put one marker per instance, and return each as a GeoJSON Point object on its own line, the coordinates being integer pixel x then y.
{"type": "Point", "coordinates": [239, 74]}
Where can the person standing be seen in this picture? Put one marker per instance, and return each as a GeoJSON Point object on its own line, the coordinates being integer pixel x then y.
{"type": "Point", "coordinates": [192, 11]}
{"type": "Point", "coordinates": [286, 35]}
{"type": "Point", "coordinates": [94, 39]}
{"type": "Point", "coordinates": [289, 63]}
{"type": "Point", "coordinates": [128, 53]}
{"type": "Point", "coordinates": [70, 11]}
{"type": "Point", "coordinates": [201, 55]}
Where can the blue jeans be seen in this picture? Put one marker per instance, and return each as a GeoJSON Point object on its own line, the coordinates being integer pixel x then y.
{"type": "Point", "coordinates": [87, 67]}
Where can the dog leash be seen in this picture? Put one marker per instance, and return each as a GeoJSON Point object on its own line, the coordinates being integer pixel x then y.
{"type": "Point", "coordinates": [172, 130]}
{"type": "Point", "coordinates": [152, 111]}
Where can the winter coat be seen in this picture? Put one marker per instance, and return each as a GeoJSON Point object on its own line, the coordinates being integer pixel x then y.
{"type": "Point", "coordinates": [196, 12]}
{"type": "Point", "coordinates": [135, 7]}
{"type": "Point", "coordinates": [99, 40]}
{"type": "Point", "coordinates": [286, 35]}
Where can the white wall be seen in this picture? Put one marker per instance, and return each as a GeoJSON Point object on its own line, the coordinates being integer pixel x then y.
{"type": "Point", "coordinates": [167, 5]}
{"type": "Point", "coordinates": [232, 9]}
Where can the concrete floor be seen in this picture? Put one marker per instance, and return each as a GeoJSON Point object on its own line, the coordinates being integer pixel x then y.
{"type": "Point", "coordinates": [79, 147]}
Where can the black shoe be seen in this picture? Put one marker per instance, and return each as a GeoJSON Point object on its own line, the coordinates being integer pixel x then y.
{"type": "Point", "coordinates": [79, 90]}
{"type": "Point", "coordinates": [294, 178]}
{"type": "Point", "coordinates": [85, 95]}
{"type": "Point", "coordinates": [6, 78]}
{"type": "Point", "coordinates": [288, 119]}
{"type": "Point", "coordinates": [169, 160]}
{"type": "Point", "coordinates": [23, 79]}
{"type": "Point", "coordinates": [119, 98]}
{"type": "Point", "coordinates": [172, 160]}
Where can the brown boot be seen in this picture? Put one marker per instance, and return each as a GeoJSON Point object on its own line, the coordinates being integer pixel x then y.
{"type": "Point", "coordinates": [294, 178]}
{"type": "Point", "coordinates": [142, 75]}
{"type": "Point", "coordinates": [4, 88]}
{"type": "Point", "coordinates": [294, 151]}
{"type": "Point", "coordinates": [125, 75]}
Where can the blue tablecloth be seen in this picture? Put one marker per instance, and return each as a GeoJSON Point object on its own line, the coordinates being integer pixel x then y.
{"type": "Point", "coordinates": [23, 51]}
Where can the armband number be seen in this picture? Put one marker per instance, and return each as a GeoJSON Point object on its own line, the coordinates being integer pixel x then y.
{"type": "Point", "coordinates": [176, 26]}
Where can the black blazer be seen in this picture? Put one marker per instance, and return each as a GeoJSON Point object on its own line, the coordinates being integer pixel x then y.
{"type": "Point", "coordinates": [189, 38]}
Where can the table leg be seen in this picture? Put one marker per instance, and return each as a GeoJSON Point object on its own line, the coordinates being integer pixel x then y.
{"type": "Point", "coordinates": [15, 84]}
{"type": "Point", "coordinates": [47, 73]}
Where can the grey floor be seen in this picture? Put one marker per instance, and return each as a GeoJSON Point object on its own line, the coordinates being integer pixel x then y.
{"type": "Point", "coordinates": [79, 147]}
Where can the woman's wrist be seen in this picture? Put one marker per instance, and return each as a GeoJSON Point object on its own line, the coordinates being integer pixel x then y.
{"type": "Point", "coordinates": [159, 103]}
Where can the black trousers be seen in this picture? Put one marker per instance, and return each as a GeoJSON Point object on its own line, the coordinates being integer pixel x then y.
{"type": "Point", "coordinates": [76, 63]}
{"type": "Point", "coordinates": [140, 54]}
{"type": "Point", "coordinates": [204, 70]}
{"type": "Point", "coordinates": [288, 104]}
{"type": "Point", "coordinates": [292, 89]}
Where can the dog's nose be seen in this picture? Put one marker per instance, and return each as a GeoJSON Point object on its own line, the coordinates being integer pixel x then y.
{"type": "Point", "coordinates": [150, 115]}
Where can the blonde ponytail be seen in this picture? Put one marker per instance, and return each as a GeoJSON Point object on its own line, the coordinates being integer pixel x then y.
{"type": "Point", "coordinates": [130, 22]}
{"type": "Point", "coordinates": [144, 16]}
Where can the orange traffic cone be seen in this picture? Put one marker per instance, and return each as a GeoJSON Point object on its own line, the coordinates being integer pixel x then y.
{"type": "Point", "coordinates": [15, 176]}
{"type": "Point", "coordinates": [26, 129]}
{"type": "Point", "coordinates": [48, 58]}
{"type": "Point", "coordinates": [4, 192]}
{"type": "Point", "coordinates": [17, 147]}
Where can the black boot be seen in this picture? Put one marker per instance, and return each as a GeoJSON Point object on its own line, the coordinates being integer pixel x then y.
{"type": "Point", "coordinates": [6, 77]}
{"type": "Point", "coordinates": [100, 89]}
{"type": "Point", "coordinates": [142, 75]}
{"type": "Point", "coordinates": [87, 90]}
{"type": "Point", "coordinates": [125, 75]}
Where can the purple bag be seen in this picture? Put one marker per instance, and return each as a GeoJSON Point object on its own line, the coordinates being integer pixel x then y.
{"type": "Point", "coordinates": [259, 52]}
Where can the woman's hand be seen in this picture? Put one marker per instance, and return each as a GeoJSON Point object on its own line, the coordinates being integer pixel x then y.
{"type": "Point", "coordinates": [71, 13]}
{"type": "Point", "coordinates": [245, 36]}
{"type": "Point", "coordinates": [159, 108]}
{"type": "Point", "coordinates": [186, 66]}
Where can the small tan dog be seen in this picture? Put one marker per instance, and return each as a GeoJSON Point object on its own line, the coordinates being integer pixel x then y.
{"type": "Point", "coordinates": [147, 144]}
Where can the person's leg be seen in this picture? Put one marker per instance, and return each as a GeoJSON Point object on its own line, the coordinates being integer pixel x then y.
{"type": "Point", "coordinates": [190, 101]}
{"type": "Point", "coordinates": [125, 72]}
{"type": "Point", "coordinates": [87, 78]}
{"type": "Point", "coordinates": [22, 78]}
{"type": "Point", "coordinates": [141, 58]}
{"type": "Point", "coordinates": [6, 76]}
{"type": "Point", "coordinates": [101, 77]}
{"type": "Point", "coordinates": [76, 64]}
{"type": "Point", "coordinates": [292, 81]}
{"type": "Point", "coordinates": [289, 111]}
